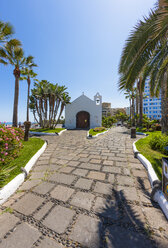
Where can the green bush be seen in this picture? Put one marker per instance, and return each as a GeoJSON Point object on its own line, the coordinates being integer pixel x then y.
{"type": "Point", "coordinates": [10, 143]}
{"type": "Point", "coordinates": [108, 121]}
{"type": "Point", "coordinates": [158, 142]}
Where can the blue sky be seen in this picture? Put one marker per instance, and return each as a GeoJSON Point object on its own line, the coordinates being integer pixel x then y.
{"type": "Point", "coordinates": [76, 43]}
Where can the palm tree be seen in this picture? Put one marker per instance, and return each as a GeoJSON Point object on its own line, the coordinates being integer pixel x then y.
{"type": "Point", "coordinates": [13, 54]}
{"type": "Point", "coordinates": [6, 30]}
{"type": "Point", "coordinates": [145, 51]}
{"type": "Point", "coordinates": [28, 73]}
{"type": "Point", "coordinates": [65, 99]}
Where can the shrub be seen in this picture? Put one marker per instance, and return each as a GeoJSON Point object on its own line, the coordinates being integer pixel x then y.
{"type": "Point", "coordinates": [99, 129]}
{"type": "Point", "coordinates": [108, 121]}
{"type": "Point", "coordinates": [10, 143]}
{"type": "Point", "coordinates": [158, 127]}
{"type": "Point", "coordinates": [158, 142]}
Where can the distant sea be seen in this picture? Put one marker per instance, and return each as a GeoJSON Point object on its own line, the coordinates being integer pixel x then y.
{"type": "Point", "coordinates": [10, 123]}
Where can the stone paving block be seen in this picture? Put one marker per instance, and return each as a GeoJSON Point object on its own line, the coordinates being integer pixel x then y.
{"type": "Point", "coordinates": [111, 178]}
{"type": "Point", "coordinates": [107, 162]}
{"type": "Point", "coordinates": [7, 222]}
{"type": "Point", "coordinates": [112, 169]}
{"type": "Point", "coordinates": [42, 162]}
{"type": "Point", "coordinates": [139, 173]}
{"type": "Point", "coordinates": [84, 159]}
{"type": "Point", "coordinates": [62, 193]}
{"type": "Point", "coordinates": [123, 237]}
{"type": "Point", "coordinates": [87, 231]}
{"type": "Point", "coordinates": [126, 171]}
{"type": "Point", "coordinates": [96, 175]}
{"type": "Point", "coordinates": [62, 162]}
{"type": "Point", "coordinates": [133, 214]}
{"type": "Point", "coordinates": [29, 184]}
{"type": "Point", "coordinates": [106, 208]}
{"type": "Point", "coordinates": [125, 180]}
{"type": "Point", "coordinates": [41, 168]}
{"type": "Point", "coordinates": [95, 161]}
{"type": "Point", "coordinates": [156, 218]}
{"type": "Point", "coordinates": [49, 243]}
{"type": "Point", "coordinates": [83, 183]}
{"type": "Point", "coordinates": [90, 166]}
{"type": "Point", "coordinates": [121, 164]}
{"type": "Point", "coordinates": [80, 172]}
{"type": "Point", "coordinates": [118, 159]}
{"type": "Point", "coordinates": [54, 167]}
{"type": "Point", "coordinates": [62, 178]}
{"type": "Point", "coordinates": [66, 169]}
{"type": "Point", "coordinates": [103, 188]}
{"type": "Point", "coordinates": [73, 163]}
{"type": "Point", "coordinates": [143, 184]}
{"type": "Point", "coordinates": [137, 166]}
{"type": "Point", "coordinates": [45, 208]}
{"type": "Point", "coordinates": [122, 155]}
{"type": "Point", "coordinates": [127, 193]}
{"type": "Point", "coordinates": [145, 197]}
{"type": "Point", "coordinates": [83, 155]}
{"type": "Point", "coordinates": [28, 204]}
{"type": "Point", "coordinates": [95, 156]}
{"type": "Point", "coordinates": [23, 236]}
{"type": "Point", "coordinates": [43, 188]}
{"type": "Point", "coordinates": [82, 200]}
{"type": "Point", "coordinates": [37, 175]}
{"type": "Point", "coordinates": [59, 219]}
{"type": "Point", "coordinates": [109, 169]}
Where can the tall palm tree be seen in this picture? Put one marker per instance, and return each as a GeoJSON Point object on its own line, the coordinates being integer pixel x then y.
{"type": "Point", "coordinates": [6, 30]}
{"type": "Point", "coordinates": [28, 73]}
{"type": "Point", "coordinates": [13, 54]}
{"type": "Point", "coordinates": [144, 51]}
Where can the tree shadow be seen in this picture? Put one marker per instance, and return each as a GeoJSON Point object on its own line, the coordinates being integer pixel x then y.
{"type": "Point", "coordinates": [122, 223]}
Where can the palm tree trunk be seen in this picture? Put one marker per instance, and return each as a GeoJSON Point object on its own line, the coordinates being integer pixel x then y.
{"type": "Point", "coordinates": [28, 94]}
{"type": "Point", "coordinates": [133, 112]}
{"type": "Point", "coordinates": [164, 104]}
{"type": "Point", "coordinates": [140, 102]}
{"type": "Point", "coordinates": [130, 111]}
{"type": "Point", "coordinates": [16, 73]}
{"type": "Point", "coordinates": [137, 103]}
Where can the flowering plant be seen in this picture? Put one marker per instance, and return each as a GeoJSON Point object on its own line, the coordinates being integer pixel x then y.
{"type": "Point", "coordinates": [10, 143]}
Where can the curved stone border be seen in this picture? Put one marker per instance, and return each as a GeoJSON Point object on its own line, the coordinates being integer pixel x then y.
{"type": "Point", "coordinates": [13, 185]}
{"type": "Point", "coordinates": [95, 136]}
{"type": "Point", "coordinates": [158, 195]}
{"type": "Point", "coordinates": [140, 133]}
{"type": "Point", "coordinates": [48, 134]}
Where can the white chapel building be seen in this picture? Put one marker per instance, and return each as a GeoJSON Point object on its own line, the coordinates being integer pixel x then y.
{"type": "Point", "coordinates": [84, 113]}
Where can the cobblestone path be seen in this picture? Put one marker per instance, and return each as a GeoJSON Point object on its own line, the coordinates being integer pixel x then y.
{"type": "Point", "coordinates": [84, 193]}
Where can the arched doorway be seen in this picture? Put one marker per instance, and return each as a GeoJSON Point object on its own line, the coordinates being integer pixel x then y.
{"type": "Point", "coordinates": [83, 120]}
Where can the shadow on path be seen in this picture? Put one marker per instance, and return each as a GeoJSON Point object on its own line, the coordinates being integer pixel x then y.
{"type": "Point", "coordinates": [123, 224]}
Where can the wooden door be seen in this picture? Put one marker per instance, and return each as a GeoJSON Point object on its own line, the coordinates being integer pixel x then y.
{"type": "Point", "coordinates": [83, 120]}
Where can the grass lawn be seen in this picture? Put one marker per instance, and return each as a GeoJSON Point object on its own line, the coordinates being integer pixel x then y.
{"type": "Point", "coordinates": [154, 157]}
{"type": "Point", "coordinates": [93, 133]}
{"type": "Point", "coordinates": [29, 149]}
{"type": "Point", "coordinates": [47, 130]}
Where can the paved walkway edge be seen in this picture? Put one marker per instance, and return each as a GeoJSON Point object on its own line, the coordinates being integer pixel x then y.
{"type": "Point", "coordinates": [95, 136]}
{"type": "Point", "coordinates": [158, 196]}
{"type": "Point", "coordinates": [48, 134]}
{"type": "Point", "coordinates": [13, 185]}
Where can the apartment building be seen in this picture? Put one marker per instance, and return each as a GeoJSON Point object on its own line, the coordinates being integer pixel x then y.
{"type": "Point", "coordinates": [151, 105]}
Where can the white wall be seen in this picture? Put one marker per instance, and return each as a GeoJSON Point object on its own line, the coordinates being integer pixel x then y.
{"type": "Point", "coordinates": [83, 103]}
